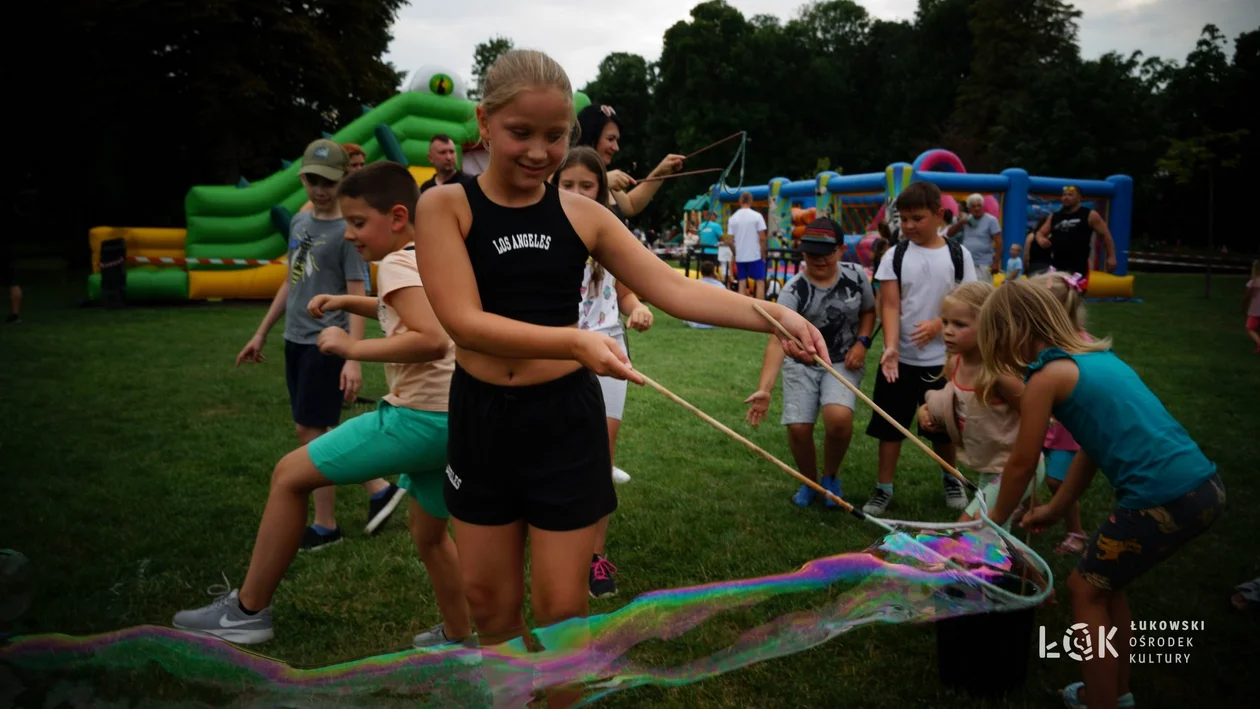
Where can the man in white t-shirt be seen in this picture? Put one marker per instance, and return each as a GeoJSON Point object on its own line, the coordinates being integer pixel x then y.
{"type": "Point", "coordinates": [748, 229]}
{"type": "Point", "coordinates": [914, 277]}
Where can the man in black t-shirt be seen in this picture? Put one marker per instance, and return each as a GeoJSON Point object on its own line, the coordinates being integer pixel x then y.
{"type": "Point", "coordinates": [1069, 233]}
{"type": "Point", "coordinates": [442, 156]}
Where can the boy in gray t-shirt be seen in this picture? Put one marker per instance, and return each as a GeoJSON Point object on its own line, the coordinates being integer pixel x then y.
{"type": "Point", "coordinates": [321, 261]}
{"type": "Point", "coordinates": [837, 299]}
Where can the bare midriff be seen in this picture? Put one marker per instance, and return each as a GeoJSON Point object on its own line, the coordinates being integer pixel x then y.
{"type": "Point", "coordinates": [508, 371]}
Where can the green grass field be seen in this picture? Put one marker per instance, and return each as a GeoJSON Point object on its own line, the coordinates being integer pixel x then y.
{"type": "Point", "coordinates": [134, 464]}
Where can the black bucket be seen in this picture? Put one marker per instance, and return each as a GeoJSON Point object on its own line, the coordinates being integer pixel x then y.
{"type": "Point", "coordinates": [985, 654]}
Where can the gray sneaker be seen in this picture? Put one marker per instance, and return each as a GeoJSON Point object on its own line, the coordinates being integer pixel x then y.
{"type": "Point", "coordinates": [437, 636]}
{"type": "Point", "coordinates": [225, 619]}
{"type": "Point", "coordinates": [878, 503]}
{"type": "Point", "coordinates": [955, 494]}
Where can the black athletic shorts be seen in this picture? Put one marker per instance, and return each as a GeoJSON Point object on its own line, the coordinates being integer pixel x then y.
{"type": "Point", "coordinates": [314, 380]}
{"type": "Point", "coordinates": [535, 453]}
{"type": "Point", "coordinates": [902, 399]}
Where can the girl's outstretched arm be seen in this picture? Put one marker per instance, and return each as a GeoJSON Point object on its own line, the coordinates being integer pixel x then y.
{"type": "Point", "coordinates": [442, 218]}
{"type": "Point", "coordinates": [685, 298]}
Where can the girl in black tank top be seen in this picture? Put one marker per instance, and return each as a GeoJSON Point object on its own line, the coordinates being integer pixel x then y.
{"type": "Point", "coordinates": [528, 261]}
{"type": "Point", "coordinates": [502, 261]}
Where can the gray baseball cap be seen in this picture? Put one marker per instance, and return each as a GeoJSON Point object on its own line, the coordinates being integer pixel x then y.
{"type": "Point", "coordinates": [325, 158]}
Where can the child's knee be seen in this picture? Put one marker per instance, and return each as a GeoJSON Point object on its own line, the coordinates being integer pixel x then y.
{"type": "Point", "coordinates": [492, 605]}
{"type": "Point", "coordinates": [801, 433]}
{"type": "Point", "coordinates": [554, 607]}
{"type": "Point", "coordinates": [837, 422]}
{"type": "Point", "coordinates": [287, 473]}
{"type": "Point", "coordinates": [429, 540]}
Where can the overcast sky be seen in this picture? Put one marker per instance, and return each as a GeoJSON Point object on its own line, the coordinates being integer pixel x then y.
{"type": "Point", "coordinates": [579, 33]}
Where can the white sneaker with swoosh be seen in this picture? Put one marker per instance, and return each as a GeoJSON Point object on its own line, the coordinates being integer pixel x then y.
{"type": "Point", "coordinates": [225, 619]}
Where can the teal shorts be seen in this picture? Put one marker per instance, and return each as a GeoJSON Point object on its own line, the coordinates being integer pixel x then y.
{"type": "Point", "coordinates": [1058, 463]}
{"type": "Point", "coordinates": [391, 440]}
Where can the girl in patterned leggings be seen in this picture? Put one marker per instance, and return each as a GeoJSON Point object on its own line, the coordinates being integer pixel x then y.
{"type": "Point", "coordinates": [1167, 490]}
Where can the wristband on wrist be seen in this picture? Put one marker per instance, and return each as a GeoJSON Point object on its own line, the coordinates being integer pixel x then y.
{"type": "Point", "coordinates": [866, 341]}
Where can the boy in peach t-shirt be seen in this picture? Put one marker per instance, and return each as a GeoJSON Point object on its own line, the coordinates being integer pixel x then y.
{"type": "Point", "coordinates": [406, 434]}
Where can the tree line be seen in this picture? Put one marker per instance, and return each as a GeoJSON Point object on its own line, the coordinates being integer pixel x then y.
{"type": "Point", "coordinates": [142, 100]}
{"type": "Point", "coordinates": [1000, 82]}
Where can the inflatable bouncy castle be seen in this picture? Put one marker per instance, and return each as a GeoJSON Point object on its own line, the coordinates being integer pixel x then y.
{"type": "Point", "coordinates": [859, 202]}
{"type": "Point", "coordinates": [236, 236]}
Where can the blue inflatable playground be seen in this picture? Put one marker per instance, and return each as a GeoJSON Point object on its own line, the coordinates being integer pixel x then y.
{"type": "Point", "coordinates": [857, 203]}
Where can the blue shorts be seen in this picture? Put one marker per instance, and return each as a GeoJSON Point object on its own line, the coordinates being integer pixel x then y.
{"type": "Point", "coordinates": [392, 440]}
{"type": "Point", "coordinates": [1057, 463]}
{"type": "Point", "coordinates": [755, 270]}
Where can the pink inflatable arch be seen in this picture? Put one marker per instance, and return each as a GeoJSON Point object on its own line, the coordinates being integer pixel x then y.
{"type": "Point", "coordinates": [941, 160]}
{"type": "Point", "coordinates": [938, 160]}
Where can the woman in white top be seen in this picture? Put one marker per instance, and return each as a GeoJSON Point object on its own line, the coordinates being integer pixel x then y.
{"type": "Point", "coordinates": [603, 301]}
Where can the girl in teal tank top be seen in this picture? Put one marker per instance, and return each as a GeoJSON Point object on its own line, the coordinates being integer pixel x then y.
{"type": "Point", "coordinates": [1167, 491]}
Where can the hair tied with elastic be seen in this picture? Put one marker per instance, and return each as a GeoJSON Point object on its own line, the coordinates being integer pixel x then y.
{"type": "Point", "coordinates": [1076, 280]}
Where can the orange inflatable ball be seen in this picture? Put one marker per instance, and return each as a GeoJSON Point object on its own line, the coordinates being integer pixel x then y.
{"type": "Point", "coordinates": [802, 217]}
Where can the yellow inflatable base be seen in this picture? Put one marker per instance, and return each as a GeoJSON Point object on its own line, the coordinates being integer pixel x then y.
{"type": "Point", "coordinates": [246, 284]}
{"type": "Point", "coordinates": [141, 241]}
{"type": "Point", "coordinates": [1101, 285]}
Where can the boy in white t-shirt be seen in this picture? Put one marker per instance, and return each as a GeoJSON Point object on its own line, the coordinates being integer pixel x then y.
{"type": "Point", "coordinates": [914, 276]}
{"type": "Point", "coordinates": [748, 229]}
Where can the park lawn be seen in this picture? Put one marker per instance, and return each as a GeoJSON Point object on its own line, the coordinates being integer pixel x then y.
{"type": "Point", "coordinates": [134, 464]}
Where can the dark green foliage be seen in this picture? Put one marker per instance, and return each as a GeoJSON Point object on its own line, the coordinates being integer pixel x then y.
{"type": "Point", "coordinates": [144, 99]}
{"type": "Point", "coordinates": [1000, 82]}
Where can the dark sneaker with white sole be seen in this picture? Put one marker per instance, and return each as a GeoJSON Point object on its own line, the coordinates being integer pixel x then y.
{"type": "Point", "coordinates": [379, 510]}
{"type": "Point", "coordinates": [312, 540]}
{"type": "Point", "coordinates": [601, 577]}
{"type": "Point", "coordinates": [225, 619]}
